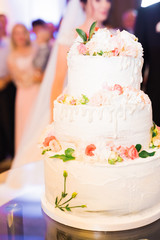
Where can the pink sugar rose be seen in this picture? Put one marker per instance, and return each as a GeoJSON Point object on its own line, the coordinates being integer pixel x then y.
{"type": "Point", "coordinates": [122, 151]}
{"type": "Point", "coordinates": [89, 151]}
{"type": "Point", "coordinates": [118, 88]}
{"type": "Point", "coordinates": [82, 49]}
{"type": "Point", "coordinates": [132, 152]}
{"type": "Point", "coordinates": [47, 140]}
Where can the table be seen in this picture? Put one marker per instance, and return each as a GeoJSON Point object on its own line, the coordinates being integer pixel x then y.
{"type": "Point", "coordinates": [23, 218]}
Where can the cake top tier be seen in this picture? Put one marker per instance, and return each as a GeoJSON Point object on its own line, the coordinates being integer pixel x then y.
{"type": "Point", "coordinates": [103, 42]}
{"type": "Point", "coordinates": [103, 58]}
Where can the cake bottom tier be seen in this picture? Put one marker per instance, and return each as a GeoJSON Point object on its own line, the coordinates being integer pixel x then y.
{"type": "Point", "coordinates": [100, 222]}
{"type": "Point", "coordinates": [122, 190]}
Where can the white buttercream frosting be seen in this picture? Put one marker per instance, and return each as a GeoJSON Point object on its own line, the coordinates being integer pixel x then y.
{"type": "Point", "coordinates": [88, 74]}
{"type": "Point", "coordinates": [116, 190]}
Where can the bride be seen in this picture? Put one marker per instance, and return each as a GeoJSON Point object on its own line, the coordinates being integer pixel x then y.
{"type": "Point", "coordinates": [79, 13]}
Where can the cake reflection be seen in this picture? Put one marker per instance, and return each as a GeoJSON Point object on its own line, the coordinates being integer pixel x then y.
{"type": "Point", "coordinates": [57, 231]}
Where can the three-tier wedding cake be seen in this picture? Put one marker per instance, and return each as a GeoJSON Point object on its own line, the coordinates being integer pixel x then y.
{"type": "Point", "coordinates": [102, 157]}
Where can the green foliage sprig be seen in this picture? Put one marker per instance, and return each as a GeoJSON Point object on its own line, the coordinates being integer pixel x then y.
{"type": "Point", "coordinates": [46, 150]}
{"type": "Point", "coordinates": [154, 130]}
{"type": "Point", "coordinates": [143, 154]}
{"type": "Point", "coordinates": [83, 35]}
{"type": "Point", "coordinates": [65, 205]}
{"type": "Point", "coordinates": [67, 156]}
{"type": "Point", "coordinates": [84, 100]}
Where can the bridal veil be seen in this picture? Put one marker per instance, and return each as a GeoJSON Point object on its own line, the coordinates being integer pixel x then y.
{"type": "Point", "coordinates": [28, 149]}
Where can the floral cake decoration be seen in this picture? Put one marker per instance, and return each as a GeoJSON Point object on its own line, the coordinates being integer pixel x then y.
{"type": "Point", "coordinates": [106, 96]}
{"type": "Point", "coordinates": [103, 42]}
{"type": "Point", "coordinates": [116, 154]}
{"type": "Point", "coordinates": [155, 133]}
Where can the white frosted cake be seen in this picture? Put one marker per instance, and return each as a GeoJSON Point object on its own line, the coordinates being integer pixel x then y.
{"type": "Point", "coordinates": [102, 157]}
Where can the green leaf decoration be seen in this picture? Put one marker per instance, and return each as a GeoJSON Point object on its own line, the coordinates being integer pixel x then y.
{"type": "Point", "coordinates": [64, 194]}
{"type": "Point", "coordinates": [44, 151]}
{"type": "Point", "coordinates": [111, 161]}
{"type": "Point", "coordinates": [61, 209]}
{"type": "Point", "coordinates": [138, 147]}
{"type": "Point", "coordinates": [82, 34]}
{"type": "Point", "coordinates": [84, 99]}
{"type": "Point", "coordinates": [63, 157]}
{"type": "Point", "coordinates": [92, 30]}
{"type": "Point", "coordinates": [151, 154]}
{"type": "Point", "coordinates": [119, 159]}
{"type": "Point", "coordinates": [154, 134]}
{"type": "Point", "coordinates": [154, 130]}
{"type": "Point", "coordinates": [56, 201]}
{"type": "Point", "coordinates": [68, 208]}
{"type": "Point", "coordinates": [100, 53]}
{"type": "Point", "coordinates": [69, 152]}
{"type": "Point", "coordinates": [145, 154]}
{"type": "Point", "coordinates": [65, 204]}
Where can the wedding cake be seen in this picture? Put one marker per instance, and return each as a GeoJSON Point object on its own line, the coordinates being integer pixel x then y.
{"type": "Point", "coordinates": [102, 157]}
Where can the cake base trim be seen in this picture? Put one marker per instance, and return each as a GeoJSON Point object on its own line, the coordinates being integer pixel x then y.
{"type": "Point", "coordinates": [99, 222]}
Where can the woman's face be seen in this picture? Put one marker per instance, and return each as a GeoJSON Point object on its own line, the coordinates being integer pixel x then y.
{"type": "Point", "coordinates": [98, 9]}
{"type": "Point", "coordinates": [20, 36]}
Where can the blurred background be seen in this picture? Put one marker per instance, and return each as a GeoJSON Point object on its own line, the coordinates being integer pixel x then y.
{"type": "Point", "coordinates": [52, 10]}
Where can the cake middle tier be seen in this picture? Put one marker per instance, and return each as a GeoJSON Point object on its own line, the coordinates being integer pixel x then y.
{"type": "Point", "coordinates": [89, 74]}
{"type": "Point", "coordinates": [122, 124]}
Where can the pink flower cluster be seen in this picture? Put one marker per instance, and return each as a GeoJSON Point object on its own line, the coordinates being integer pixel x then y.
{"type": "Point", "coordinates": [52, 143]}
{"type": "Point", "coordinates": [82, 49]}
{"type": "Point", "coordinates": [125, 152]}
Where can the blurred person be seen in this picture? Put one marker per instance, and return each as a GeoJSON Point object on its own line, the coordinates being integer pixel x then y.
{"type": "Point", "coordinates": [147, 30]}
{"type": "Point", "coordinates": [25, 77]}
{"type": "Point", "coordinates": [53, 32]}
{"type": "Point", "coordinates": [3, 21]}
{"type": "Point", "coordinates": [38, 25]}
{"type": "Point", "coordinates": [77, 14]}
{"type": "Point", "coordinates": [7, 95]}
{"type": "Point", "coordinates": [43, 50]}
{"type": "Point", "coordinates": [129, 19]}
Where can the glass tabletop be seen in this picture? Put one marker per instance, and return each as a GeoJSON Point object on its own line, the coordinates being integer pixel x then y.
{"type": "Point", "coordinates": [23, 218]}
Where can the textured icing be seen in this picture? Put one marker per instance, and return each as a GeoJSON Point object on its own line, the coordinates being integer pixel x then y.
{"type": "Point", "coordinates": [136, 185]}
{"type": "Point", "coordinates": [123, 124]}
{"type": "Point", "coordinates": [88, 74]}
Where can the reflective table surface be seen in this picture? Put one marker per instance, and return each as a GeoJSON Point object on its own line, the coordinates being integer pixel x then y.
{"type": "Point", "coordinates": [23, 218]}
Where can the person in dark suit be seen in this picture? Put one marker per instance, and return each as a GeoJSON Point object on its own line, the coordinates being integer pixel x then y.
{"type": "Point", "coordinates": [7, 97]}
{"type": "Point", "coordinates": [147, 30]}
